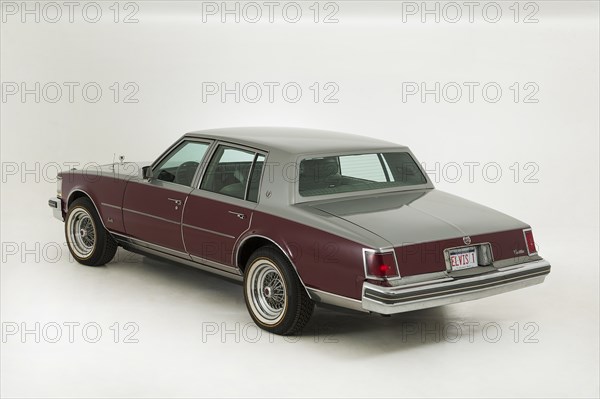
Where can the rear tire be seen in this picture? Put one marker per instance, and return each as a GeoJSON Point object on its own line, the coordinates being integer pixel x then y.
{"type": "Point", "coordinates": [275, 297]}
{"type": "Point", "coordinates": [88, 241]}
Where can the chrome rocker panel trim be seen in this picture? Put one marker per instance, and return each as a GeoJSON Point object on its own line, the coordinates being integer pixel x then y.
{"type": "Point", "coordinates": [143, 247]}
{"type": "Point", "coordinates": [390, 300]}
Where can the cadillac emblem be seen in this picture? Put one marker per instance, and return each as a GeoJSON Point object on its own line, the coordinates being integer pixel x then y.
{"type": "Point", "coordinates": [467, 240]}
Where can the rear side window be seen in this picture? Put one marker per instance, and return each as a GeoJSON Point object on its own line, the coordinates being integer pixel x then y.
{"type": "Point", "coordinates": [233, 171]}
{"type": "Point", "coordinates": [358, 172]}
{"type": "Point", "coordinates": [255, 178]}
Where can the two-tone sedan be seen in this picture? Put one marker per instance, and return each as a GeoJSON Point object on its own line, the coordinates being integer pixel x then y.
{"type": "Point", "coordinates": [301, 217]}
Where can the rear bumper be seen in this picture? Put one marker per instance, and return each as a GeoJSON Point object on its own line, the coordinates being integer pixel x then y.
{"type": "Point", "coordinates": [56, 204]}
{"type": "Point", "coordinates": [390, 300]}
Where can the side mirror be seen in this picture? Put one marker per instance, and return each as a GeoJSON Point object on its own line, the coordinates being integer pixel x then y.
{"type": "Point", "coordinates": [147, 172]}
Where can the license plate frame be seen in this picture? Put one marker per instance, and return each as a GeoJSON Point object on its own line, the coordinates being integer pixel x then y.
{"type": "Point", "coordinates": [463, 258]}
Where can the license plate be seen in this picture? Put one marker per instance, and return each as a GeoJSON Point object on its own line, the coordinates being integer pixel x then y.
{"type": "Point", "coordinates": [463, 258]}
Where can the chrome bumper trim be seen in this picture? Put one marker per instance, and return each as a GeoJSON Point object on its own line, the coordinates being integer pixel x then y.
{"type": "Point", "coordinates": [389, 300]}
{"type": "Point", "coordinates": [56, 204]}
{"type": "Point", "coordinates": [328, 298]}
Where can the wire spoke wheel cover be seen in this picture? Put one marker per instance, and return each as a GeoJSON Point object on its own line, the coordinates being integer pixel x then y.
{"type": "Point", "coordinates": [81, 231]}
{"type": "Point", "coordinates": [267, 291]}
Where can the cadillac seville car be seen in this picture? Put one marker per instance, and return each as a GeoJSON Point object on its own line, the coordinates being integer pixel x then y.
{"type": "Point", "coordinates": [300, 217]}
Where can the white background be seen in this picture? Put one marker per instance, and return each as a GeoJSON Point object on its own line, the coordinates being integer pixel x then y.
{"type": "Point", "coordinates": [368, 54]}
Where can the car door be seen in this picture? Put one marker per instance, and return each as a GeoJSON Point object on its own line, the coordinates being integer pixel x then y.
{"type": "Point", "coordinates": [220, 210]}
{"type": "Point", "coordinates": [152, 208]}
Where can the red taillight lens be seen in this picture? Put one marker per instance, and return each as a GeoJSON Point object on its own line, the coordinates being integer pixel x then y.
{"type": "Point", "coordinates": [380, 265]}
{"type": "Point", "coordinates": [530, 242]}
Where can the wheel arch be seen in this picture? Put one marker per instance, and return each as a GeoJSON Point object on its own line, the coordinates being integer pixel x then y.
{"type": "Point", "coordinates": [253, 242]}
{"type": "Point", "coordinates": [79, 193]}
{"type": "Point", "coordinates": [76, 194]}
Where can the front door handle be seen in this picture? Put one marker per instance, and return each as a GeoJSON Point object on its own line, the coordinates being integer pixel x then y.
{"type": "Point", "coordinates": [175, 200]}
{"type": "Point", "coordinates": [239, 215]}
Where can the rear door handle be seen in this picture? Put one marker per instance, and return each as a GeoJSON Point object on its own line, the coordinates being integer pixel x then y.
{"type": "Point", "coordinates": [239, 215]}
{"type": "Point", "coordinates": [175, 200]}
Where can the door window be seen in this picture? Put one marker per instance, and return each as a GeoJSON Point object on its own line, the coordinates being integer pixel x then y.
{"type": "Point", "coordinates": [180, 165]}
{"type": "Point", "coordinates": [229, 170]}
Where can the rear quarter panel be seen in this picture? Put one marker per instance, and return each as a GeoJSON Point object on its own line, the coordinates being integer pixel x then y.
{"type": "Point", "coordinates": [324, 261]}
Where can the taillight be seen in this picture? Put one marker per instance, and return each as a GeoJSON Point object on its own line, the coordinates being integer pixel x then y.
{"type": "Point", "coordinates": [529, 242]}
{"type": "Point", "coordinates": [380, 265]}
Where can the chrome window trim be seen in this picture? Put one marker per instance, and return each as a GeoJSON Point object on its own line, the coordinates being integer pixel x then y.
{"type": "Point", "coordinates": [247, 188]}
{"type": "Point", "coordinates": [260, 179]}
{"type": "Point", "coordinates": [202, 169]}
{"type": "Point", "coordinates": [228, 144]}
{"type": "Point", "coordinates": [527, 246]}
{"type": "Point", "coordinates": [380, 251]}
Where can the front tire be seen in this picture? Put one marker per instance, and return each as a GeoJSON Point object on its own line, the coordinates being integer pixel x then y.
{"type": "Point", "coordinates": [88, 241]}
{"type": "Point", "coordinates": [275, 297]}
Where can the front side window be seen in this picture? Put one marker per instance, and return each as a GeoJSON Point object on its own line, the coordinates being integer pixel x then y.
{"type": "Point", "coordinates": [181, 164]}
{"type": "Point", "coordinates": [228, 171]}
{"type": "Point", "coordinates": [358, 172]}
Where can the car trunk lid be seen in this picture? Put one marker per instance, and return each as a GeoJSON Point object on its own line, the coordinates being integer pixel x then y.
{"type": "Point", "coordinates": [421, 224]}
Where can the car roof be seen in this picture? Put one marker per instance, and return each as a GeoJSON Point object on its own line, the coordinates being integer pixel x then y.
{"type": "Point", "coordinates": [295, 140]}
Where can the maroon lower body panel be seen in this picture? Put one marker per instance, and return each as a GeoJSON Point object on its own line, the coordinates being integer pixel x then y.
{"type": "Point", "coordinates": [428, 257]}
{"type": "Point", "coordinates": [151, 215]}
{"type": "Point", "coordinates": [324, 261]}
{"type": "Point", "coordinates": [211, 228]}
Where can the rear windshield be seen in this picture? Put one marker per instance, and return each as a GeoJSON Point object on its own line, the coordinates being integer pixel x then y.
{"type": "Point", "coordinates": [359, 172]}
